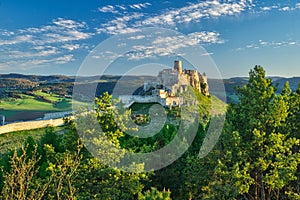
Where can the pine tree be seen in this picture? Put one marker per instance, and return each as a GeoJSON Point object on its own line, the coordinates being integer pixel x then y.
{"type": "Point", "coordinates": [257, 159]}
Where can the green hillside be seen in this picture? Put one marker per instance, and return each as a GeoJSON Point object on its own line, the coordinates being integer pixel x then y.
{"type": "Point", "coordinates": [33, 105]}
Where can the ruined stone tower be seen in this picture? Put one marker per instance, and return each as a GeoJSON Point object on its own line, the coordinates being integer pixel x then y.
{"type": "Point", "coordinates": [178, 66]}
{"type": "Point", "coordinates": [204, 84]}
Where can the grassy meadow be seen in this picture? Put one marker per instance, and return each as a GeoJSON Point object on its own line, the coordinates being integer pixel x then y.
{"type": "Point", "coordinates": [28, 107]}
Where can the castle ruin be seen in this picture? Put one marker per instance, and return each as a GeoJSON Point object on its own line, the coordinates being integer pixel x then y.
{"type": "Point", "coordinates": [177, 80]}
{"type": "Point", "coordinates": [170, 83]}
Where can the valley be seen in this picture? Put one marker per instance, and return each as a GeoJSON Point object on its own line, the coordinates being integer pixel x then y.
{"type": "Point", "coordinates": [29, 97]}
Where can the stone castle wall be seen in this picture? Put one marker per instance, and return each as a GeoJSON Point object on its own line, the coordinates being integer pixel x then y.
{"type": "Point", "coordinates": [56, 115]}
{"type": "Point", "coordinates": [128, 100]}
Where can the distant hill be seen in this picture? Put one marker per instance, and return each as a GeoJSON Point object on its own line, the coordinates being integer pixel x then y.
{"type": "Point", "coordinates": [277, 81]}
{"type": "Point", "coordinates": [17, 83]}
{"type": "Point", "coordinates": [63, 84]}
{"type": "Point", "coordinates": [231, 83]}
{"type": "Point", "coordinates": [294, 82]}
{"type": "Point", "coordinates": [37, 78]}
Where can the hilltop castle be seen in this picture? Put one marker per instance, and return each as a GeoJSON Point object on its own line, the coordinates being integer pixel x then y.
{"type": "Point", "coordinates": [169, 83]}
{"type": "Point", "coordinates": [177, 80]}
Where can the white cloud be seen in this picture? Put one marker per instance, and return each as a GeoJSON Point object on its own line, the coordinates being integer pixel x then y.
{"type": "Point", "coordinates": [118, 9]}
{"type": "Point", "coordinates": [279, 7]}
{"type": "Point", "coordinates": [68, 36]}
{"type": "Point", "coordinates": [137, 37]}
{"type": "Point", "coordinates": [28, 54]}
{"type": "Point", "coordinates": [140, 6]}
{"type": "Point", "coordinates": [120, 25]}
{"type": "Point", "coordinates": [292, 43]}
{"type": "Point", "coordinates": [207, 54]}
{"type": "Point", "coordinates": [44, 45]}
{"type": "Point", "coordinates": [35, 62]}
{"type": "Point", "coordinates": [6, 33]}
{"type": "Point", "coordinates": [206, 37]}
{"type": "Point", "coordinates": [63, 59]}
{"type": "Point", "coordinates": [108, 9]}
{"type": "Point", "coordinates": [69, 24]}
{"type": "Point", "coordinates": [71, 47]}
{"type": "Point", "coordinates": [122, 7]}
{"type": "Point", "coordinates": [194, 12]}
{"type": "Point", "coordinates": [17, 40]}
{"type": "Point", "coordinates": [286, 8]}
{"type": "Point", "coordinates": [290, 8]}
{"type": "Point", "coordinates": [6, 65]}
{"type": "Point", "coordinates": [270, 44]}
{"type": "Point", "coordinates": [59, 31]}
{"type": "Point", "coordinates": [268, 8]}
{"type": "Point", "coordinates": [38, 62]}
{"type": "Point", "coordinates": [263, 43]}
{"type": "Point", "coordinates": [35, 53]}
{"type": "Point", "coordinates": [158, 45]}
{"type": "Point", "coordinates": [106, 55]}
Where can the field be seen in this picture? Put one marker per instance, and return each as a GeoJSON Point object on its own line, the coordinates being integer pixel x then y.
{"type": "Point", "coordinates": [29, 107]}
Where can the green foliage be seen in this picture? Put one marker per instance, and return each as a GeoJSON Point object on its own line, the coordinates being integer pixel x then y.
{"type": "Point", "coordinates": [97, 181]}
{"type": "Point", "coordinates": [51, 138]}
{"type": "Point", "coordinates": [70, 138]}
{"type": "Point", "coordinates": [30, 145]}
{"type": "Point", "coordinates": [22, 182]}
{"type": "Point", "coordinates": [257, 156]}
{"type": "Point", "coordinates": [256, 159]}
{"type": "Point", "coordinates": [15, 140]}
{"type": "Point", "coordinates": [18, 182]}
{"type": "Point", "coordinates": [154, 194]}
{"type": "Point", "coordinates": [94, 179]}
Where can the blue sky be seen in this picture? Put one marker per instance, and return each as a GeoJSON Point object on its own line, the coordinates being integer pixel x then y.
{"type": "Point", "coordinates": [54, 37]}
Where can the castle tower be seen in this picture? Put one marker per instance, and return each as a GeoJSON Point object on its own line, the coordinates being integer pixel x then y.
{"type": "Point", "coordinates": [178, 66]}
{"type": "Point", "coordinates": [204, 84]}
